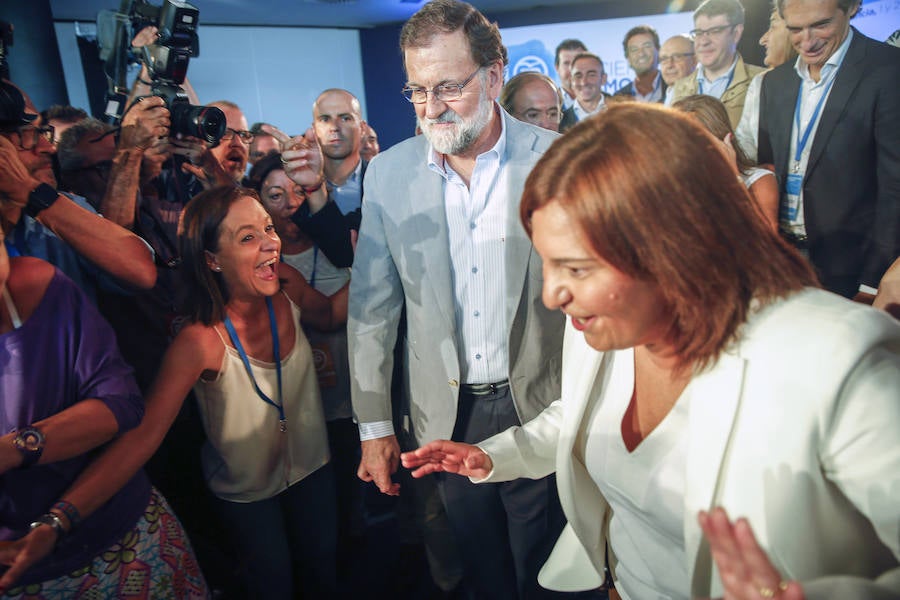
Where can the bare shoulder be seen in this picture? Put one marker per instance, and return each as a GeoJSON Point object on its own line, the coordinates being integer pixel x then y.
{"type": "Point", "coordinates": [199, 346]}
{"type": "Point", "coordinates": [28, 280]}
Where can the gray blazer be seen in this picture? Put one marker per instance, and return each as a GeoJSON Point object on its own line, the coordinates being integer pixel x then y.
{"type": "Point", "coordinates": [403, 257]}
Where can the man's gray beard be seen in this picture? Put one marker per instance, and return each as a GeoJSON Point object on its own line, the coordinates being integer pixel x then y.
{"type": "Point", "coordinates": [466, 132]}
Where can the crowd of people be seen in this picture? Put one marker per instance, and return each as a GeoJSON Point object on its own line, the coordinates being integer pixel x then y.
{"type": "Point", "coordinates": [618, 343]}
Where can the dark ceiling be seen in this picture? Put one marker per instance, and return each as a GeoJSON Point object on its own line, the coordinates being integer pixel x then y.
{"type": "Point", "coordinates": [297, 13]}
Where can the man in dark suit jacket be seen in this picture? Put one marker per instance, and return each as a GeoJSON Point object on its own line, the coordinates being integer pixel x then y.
{"type": "Point", "coordinates": [841, 189]}
{"type": "Point", "coordinates": [588, 79]}
{"type": "Point", "coordinates": [641, 45]}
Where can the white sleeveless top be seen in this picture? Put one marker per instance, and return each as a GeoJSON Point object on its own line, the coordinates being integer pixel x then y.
{"type": "Point", "coordinates": [246, 457]}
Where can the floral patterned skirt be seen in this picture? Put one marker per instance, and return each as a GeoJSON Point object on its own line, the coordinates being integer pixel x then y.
{"type": "Point", "coordinates": [152, 561]}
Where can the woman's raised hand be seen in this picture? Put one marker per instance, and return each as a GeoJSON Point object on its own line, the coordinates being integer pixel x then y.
{"type": "Point", "coordinates": [449, 457]}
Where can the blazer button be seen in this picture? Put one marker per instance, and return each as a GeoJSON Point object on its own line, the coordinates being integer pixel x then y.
{"type": "Point", "coordinates": [453, 383]}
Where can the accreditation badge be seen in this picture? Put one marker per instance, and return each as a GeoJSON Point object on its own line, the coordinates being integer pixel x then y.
{"type": "Point", "coordinates": [790, 208]}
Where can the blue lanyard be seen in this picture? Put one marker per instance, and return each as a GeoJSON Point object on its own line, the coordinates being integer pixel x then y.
{"type": "Point", "coordinates": [801, 141]}
{"type": "Point", "coordinates": [727, 85]}
{"type": "Point", "coordinates": [232, 333]}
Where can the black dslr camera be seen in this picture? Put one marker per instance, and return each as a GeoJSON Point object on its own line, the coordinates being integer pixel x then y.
{"type": "Point", "coordinates": [167, 62]}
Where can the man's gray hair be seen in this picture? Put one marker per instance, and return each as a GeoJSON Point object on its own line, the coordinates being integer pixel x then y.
{"type": "Point", "coordinates": [67, 149]}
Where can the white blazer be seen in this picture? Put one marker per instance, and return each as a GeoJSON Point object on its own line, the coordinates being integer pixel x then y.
{"type": "Point", "coordinates": [796, 428]}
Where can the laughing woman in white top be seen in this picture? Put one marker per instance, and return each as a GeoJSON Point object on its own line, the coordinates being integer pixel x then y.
{"type": "Point", "coordinates": [248, 360]}
{"type": "Point", "coordinates": [703, 372]}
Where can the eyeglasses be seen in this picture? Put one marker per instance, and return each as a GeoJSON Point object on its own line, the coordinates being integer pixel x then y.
{"type": "Point", "coordinates": [245, 135]}
{"type": "Point", "coordinates": [445, 92]}
{"type": "Point", "coordinates": [664, 58]}
{"type": "Point", "coordinates": [696, 34]}
{"type": "Point", "coordinates": [645, 47]}
{"type": "Point", "coordinates": [29, 136]}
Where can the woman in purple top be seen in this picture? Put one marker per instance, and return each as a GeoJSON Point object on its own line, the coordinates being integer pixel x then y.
{"type": "Point", "coordinates": [64, 391]}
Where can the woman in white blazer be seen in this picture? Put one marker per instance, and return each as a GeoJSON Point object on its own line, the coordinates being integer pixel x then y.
{"type": "Point", "coordinates": [710, 376]}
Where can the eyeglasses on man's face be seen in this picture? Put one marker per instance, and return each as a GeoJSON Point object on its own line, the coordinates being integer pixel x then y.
{"type": "Point", "coordinates": [245, 135]}
{"type": "Point", "coordinates": [676, 57]}
{"type": "Point", "coordinates": [29, 136]}
{"type": "Point", "coordinates": [712, 32]}
{"type": "Point", "coordinates": [445, 92]}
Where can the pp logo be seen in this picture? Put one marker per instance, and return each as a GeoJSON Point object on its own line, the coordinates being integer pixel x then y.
{"type": "Point", "coordinates": [530, 63]}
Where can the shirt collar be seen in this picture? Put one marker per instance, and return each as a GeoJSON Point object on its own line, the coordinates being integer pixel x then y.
{"type": "Point", "coordinates": [701, 72]}
{"type": "Point", "coordinates": [436, 160]}
{"type": "Point", "coordinates": [582, 113]}
{"type": "Point", "coordinates": [832, 64]}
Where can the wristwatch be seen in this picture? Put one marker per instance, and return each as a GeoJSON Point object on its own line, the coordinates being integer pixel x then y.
{"type": "Point", "coordinates": [29, 441]}
{"type": "Point", "coordinates": [53, 521]}
{"type": "Point", "coordinates": [41, 198]}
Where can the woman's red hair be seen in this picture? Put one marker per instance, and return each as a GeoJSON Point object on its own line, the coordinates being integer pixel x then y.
{"type": "Point", "coordinates": [657, 199]}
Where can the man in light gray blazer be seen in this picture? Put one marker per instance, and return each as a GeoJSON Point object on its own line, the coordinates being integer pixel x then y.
{"type": "Point", "coordinates": [441, 235]}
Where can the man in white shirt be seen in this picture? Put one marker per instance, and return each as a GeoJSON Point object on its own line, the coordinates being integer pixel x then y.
{"type": "Point", "coordinates": [588, 79]}
{"type": "Point", "coordinates": [441, 236]}
{"type": "Point", "coordinates": [722, 74]}
{"type": "Point", "coordinates": [829, 124]}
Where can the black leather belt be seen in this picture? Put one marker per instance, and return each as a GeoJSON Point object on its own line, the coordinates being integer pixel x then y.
{"type": "Point", "coordinates": [483, 389]}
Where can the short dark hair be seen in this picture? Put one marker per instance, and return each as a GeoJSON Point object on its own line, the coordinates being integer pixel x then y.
{"type": "Point", "coordinates": [449, 16]}
{"type": "Point", "coordinates": [257, 128]}
{"type": "Point", "coordinates": [732, 9]}
{"type": "Point", "coordinates": [205, 294]}
{"type": "Point", "coordinates": [645, 29]}
{"type": "Point", "coordinates": [844, 5]}
{"type": "Point", "coordinates": [591, 55]}
{"type": "Point", "coordinates": [265, 165]}
{"type": "Point", "coordinates": [64, 113]}
{"type": "Point", "coordinates": [568, 44]}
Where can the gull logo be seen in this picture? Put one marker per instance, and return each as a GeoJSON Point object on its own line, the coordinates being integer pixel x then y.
{"type": "Point", "coordinates": [530, 63]}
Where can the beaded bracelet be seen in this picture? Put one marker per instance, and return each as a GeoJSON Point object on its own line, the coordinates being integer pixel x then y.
{"type": "Point", "coordinates": [68, 509]}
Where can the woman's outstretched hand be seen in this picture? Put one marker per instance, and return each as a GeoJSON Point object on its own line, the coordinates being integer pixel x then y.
{"type": "Point", "coordinates": [448, 457]}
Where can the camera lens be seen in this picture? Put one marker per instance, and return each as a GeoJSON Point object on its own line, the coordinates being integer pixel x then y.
{"type": "Point", "coordinates": [204, 122]}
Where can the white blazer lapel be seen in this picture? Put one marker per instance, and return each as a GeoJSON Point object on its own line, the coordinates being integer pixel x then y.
{"type": "Point", "coordinates": [715, 397]}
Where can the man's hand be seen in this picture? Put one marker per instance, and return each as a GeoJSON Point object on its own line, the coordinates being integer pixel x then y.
{"type": "Point", "coordinates": [450, 457]}
{"type": "Point", "coordinates": [145, 122]}
{"type": "Point", "coordinates": [201, 162]}
{"type": "Point", "coordinates": [888, 298]}
{"type": "Point", "coordinates": [145, 37]}
{"type": "Point", "coordinates": [301, 156]}
{"type": "Point", "coordinates": [20, 554]}
{"type": "Point", "coordinates": [380, 458]}
{"type": "Point", "coordinates": [15, 180]}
